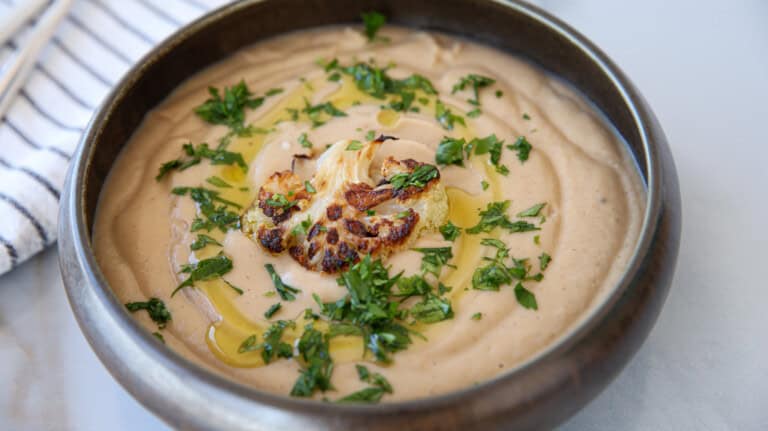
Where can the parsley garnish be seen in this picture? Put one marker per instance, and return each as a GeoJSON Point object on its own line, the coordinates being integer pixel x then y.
{"type": "Point", "coordinates": [229, 109]}
{"type": "Point", "coordinates": [285, 291]}
{"type": "Point", "coordinates": [526, 116]}
{"type": "Point", "coordinates": [159, 336]}
{"type": "Point", "coordinates": [476, 82]}
{"type": "Point", "coordinates": [206, 269]}
{"type": "Point", "coordinates": [373, 21]}
{"type": "Point", "coordinates": [354, 146]}
{"type": "Point", "coordinates": [218, 182]}
{"type": "Point", "coordinates": [304, 142]}
{"type": "Point", "coordinates": [489, 145]}
{"type": "Point", "coordinates": [303, 227]}
{"type": "Point", "coordinates": [432, 310]}
{"type": "Point", "coordinates": [477, 316]}
{"type": "Point", "coordinates": [371, 135]}
{"type": "Point", "coordinates": [450, 151]}
{"type": "Point", "coordinates": [484, 184]}
{"type": "Point", "coordinates": [273, 346]}
{"type": "Point", "coordinates": [217, 216]}
{"type": "Point", "coordinates": [274, 308]}
{"type": "Point", "coordinates": [316, 113]}
{"type": "Point", "coordinates": [450, 231]}
{"type": "Point", "coordinates": [532, 211]}
{"type": "Point", "coordinates": [317, 365]}
{"type": "Point", "coordinates": [497, 273]}
{"type": "Point", "coordinates": [525, 297]}
{"type": "Point", "coordinates": [434, 259]}
{"type": "Point", "coordinates": [278, 200]}
{"type": "Point", "coordinates": [446, 117]}
{"type": "Point", "coordinates": [523, 148]}
{"type": "Point", "coordinates": [155, 308]}
{"type": "Point", "coordinates": [218, 156]}
{"type": "Point", "coordinates": [308, 187]}
{"type": "Point", "coordinates": [544, 261]}
{"type": "Point", "coordinates": [495, 215]}
{"type": "Point", "coordinates": [373, 394]}
{"type": "Point", "coordinates": [420, 176]}
{"type": "Point", "coordinates": [203, 240]}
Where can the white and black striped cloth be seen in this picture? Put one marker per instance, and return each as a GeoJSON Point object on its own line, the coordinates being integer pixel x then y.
{"type": "Point", "coordinates": [93, 47]}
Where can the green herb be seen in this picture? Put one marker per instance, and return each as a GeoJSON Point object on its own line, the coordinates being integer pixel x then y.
{"type": "Point", "coordinates": [317, 365]}
{"type": "Point", "coordinates": [308, 187]}
{"type": "Point", "coordinates": [432, 309]}
{"type": "Point", "coordinates": [320, 113]}
{"type": "Point", "coordinates": [363, 373]}
{"type": "Point", "coordinates": [474, 113]}
{"type": "Point", "coordinates": [273, 91]}
{"type": "Point", "coordinates": [371, 394]}
{"type": "Point", "coordinates": [368, 395]}
{"type": "Point", "coordinates": [203, 240]}
{"type": "Point", "coordinates": [206, 269]}
{"type": "Point", "coordinates": [274, 308]}
{"type": "Point", "coordinates": [279, 200]}
{"type": "Point", "coordinates": [536, 240]}
{"type": "Point", "coordinates": [434, 259]}
{"type": "Point", "coordinates": [273, 346]}
{"type": "Point", "coordinates": [544, 261]}
{"type": "Point", "coordinates": [477, 316]}
{"type": "Point", "coordinates": [370, 212]}
{"type": "Point", "coordinates": [532, 211]}
{"type": "Point", "coordinates": [194, 155]}
{"type": "Point", "coordinates": [354, 146]}
{"type": "Point", "coordinates": [450, 151]}
{"type": "Point", "coordinates": [446, 117]}
{"type": "Point", "coordinates": [488, 145]}
{"type": "Point", "coordinates": [420, 176]}
{"type": "Point", "coordinates": [303, 227]}
{"type": "Point", "coordinates": [525, 297]}
{"type": "Point", "coordinates": [155, 308]}
{"type": "Point", "coordinates": [484, 184]}
{"type": "Point", "coordinates": [403, 214]}
{"type": "Point", "coordinates": [526, 116]}
{"type": "Point", "coordinates": [499, 93]}
{"type": "Point", "coordinates": [476, 82]}
{"type": "Point", "coordinates": [495, 215]}
{"type": "Point", "coordinates": [370, 136]}
{"type": "Point", "coordinates": [229, 109]}
{"type": "Point", "coordinates": [218, 182]}
{"type": "Point", "coordinates": [217, 216]}
{"type": "Point", "coordinates": [334, 77]}
{"type": "Point", "coordinates": [450, 231]}
{"type": "Point", "coordinates": [372, 21]}
{"type": "Point", "coordinates": [523, 148]}
{"type": "Point", "coordinates": [159, 336]}
{"type": "Point", "coordinates": [286, 292]}
{"type": "Point", "coordinates": [304, 142]}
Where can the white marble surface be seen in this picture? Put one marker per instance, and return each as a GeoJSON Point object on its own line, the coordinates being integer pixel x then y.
{"type": "Point", "coordinates": [703, 66]}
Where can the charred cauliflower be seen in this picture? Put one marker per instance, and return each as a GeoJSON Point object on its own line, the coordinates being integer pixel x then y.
{"type": "Point", "coordinates": [342, 213]}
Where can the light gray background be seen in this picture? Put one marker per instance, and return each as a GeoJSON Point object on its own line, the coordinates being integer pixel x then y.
{"type": "Point", "coordinates": [703, 66]}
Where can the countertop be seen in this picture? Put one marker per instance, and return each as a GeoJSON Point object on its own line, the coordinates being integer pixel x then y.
{"type": "Point", "coordinates": [703, 66]}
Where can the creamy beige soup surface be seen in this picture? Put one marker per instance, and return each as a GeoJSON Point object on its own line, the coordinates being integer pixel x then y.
{"type": "Point", "coordinates": [493, 283]}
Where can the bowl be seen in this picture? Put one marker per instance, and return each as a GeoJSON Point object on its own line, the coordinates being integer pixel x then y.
{"type": "Point", "coordinates": [538, 394]}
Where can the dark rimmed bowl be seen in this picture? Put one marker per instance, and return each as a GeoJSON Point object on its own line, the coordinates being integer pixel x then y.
{"type": "Point", "coordinates": [539, 394]}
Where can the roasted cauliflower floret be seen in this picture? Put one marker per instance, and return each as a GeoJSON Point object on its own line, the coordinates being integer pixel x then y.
{"type": "Point", "coordinates": [342, 213]}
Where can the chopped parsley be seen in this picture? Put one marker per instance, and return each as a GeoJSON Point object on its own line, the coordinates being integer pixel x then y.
{"type": "Point", "coordinates": [159, 336]}
{"type": "Point", "coordinates": [420, 176]}
{"type": "Point", "coordinates": [477, 316]}
{"type": "Point", "coordinates": [194, 155]}
{"type": "Point", "coordinates": [450, 151]}
{"type": "Point", "coordinates": [217, 216]}
{"type": "Point", "coordinates": [526, 116]}
{"type": "Point", "coordinates": [489, 145]}
{"type": "Point", "coordinates": [274, 308]}
{"type": "Point", "coordinates": [434, 259]}
{"type": "Point", "coordinates": [273, 92]}
{"type": "Point", "coordinates": [308, 187]}
{"type": "Point", "coordinates": [229, 109]}
{"type": "Point", "coordinates": [286, 292]}
{"type": "Point", "coordinates": [450, 231]}
{"type": "Point", "coordinates": [544, 260]}
{"type": "Point", "coordinates": [495, 215]}
{"type": "Point", "coordinates": [273, 347]}
{"type": "Point", "coordinates": [379, 386]}
{"type": "Point", "coordinates": [354, 145]}
{"type": "Point", "coordinates": [155, 308]}
{"type": "Point", "coordinates": [432, 309]}
{"type": "Point", "coordinates": [316, 361]}
{"type": "Point", "coordinates": [203, 240]}
{"type": "Point", "coordinates": [278, 200]}
{"type": "Point", "coordinates": [523, 148]}
{"type": "Point", "coordinates": [303, 227]}
{"type": "Point", "coordinates": [304, 141]}
{"type": "Point", "coordinates": [525, 297]}
{"type": "Point", "coordinates": [371, 135]}
{"type": "Point", "coordinates": [476, 82]}
{"type": "Point", "coordinates": [320, 113]}
{"type": "Point", "coordinates": [218, 182]}
{"type": "Point", "coordinates": [499, 93]}
{"type": "Point", "coordinates": [372, 21]}
{"type": "Point", "coordinates": [206, 269]}
{"type": "Point", "coordinates": [532, 211]}
{"type": "Point", "coordinates": [484, 184]}
{"type": "Point", "coordinates": [446, 117]}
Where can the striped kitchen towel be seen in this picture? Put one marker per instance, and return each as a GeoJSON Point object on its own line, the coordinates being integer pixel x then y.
{"type": "Point", "coordinates": [95, 44]}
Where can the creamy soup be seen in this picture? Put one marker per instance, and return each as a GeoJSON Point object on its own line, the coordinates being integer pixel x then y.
{"type": "Point", "coordinates": [368, 220]}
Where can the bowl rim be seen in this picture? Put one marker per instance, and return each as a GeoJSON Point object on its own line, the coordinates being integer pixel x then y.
{"type": "Point", "coordinates": [643, 121]}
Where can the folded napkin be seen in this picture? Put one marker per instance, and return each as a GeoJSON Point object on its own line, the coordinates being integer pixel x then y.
{"type": "Point", "coordinates": [95, 44]}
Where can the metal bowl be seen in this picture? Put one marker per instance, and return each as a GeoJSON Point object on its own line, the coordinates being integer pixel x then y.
{"type": "Point", "coordinates": [539, 394]}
